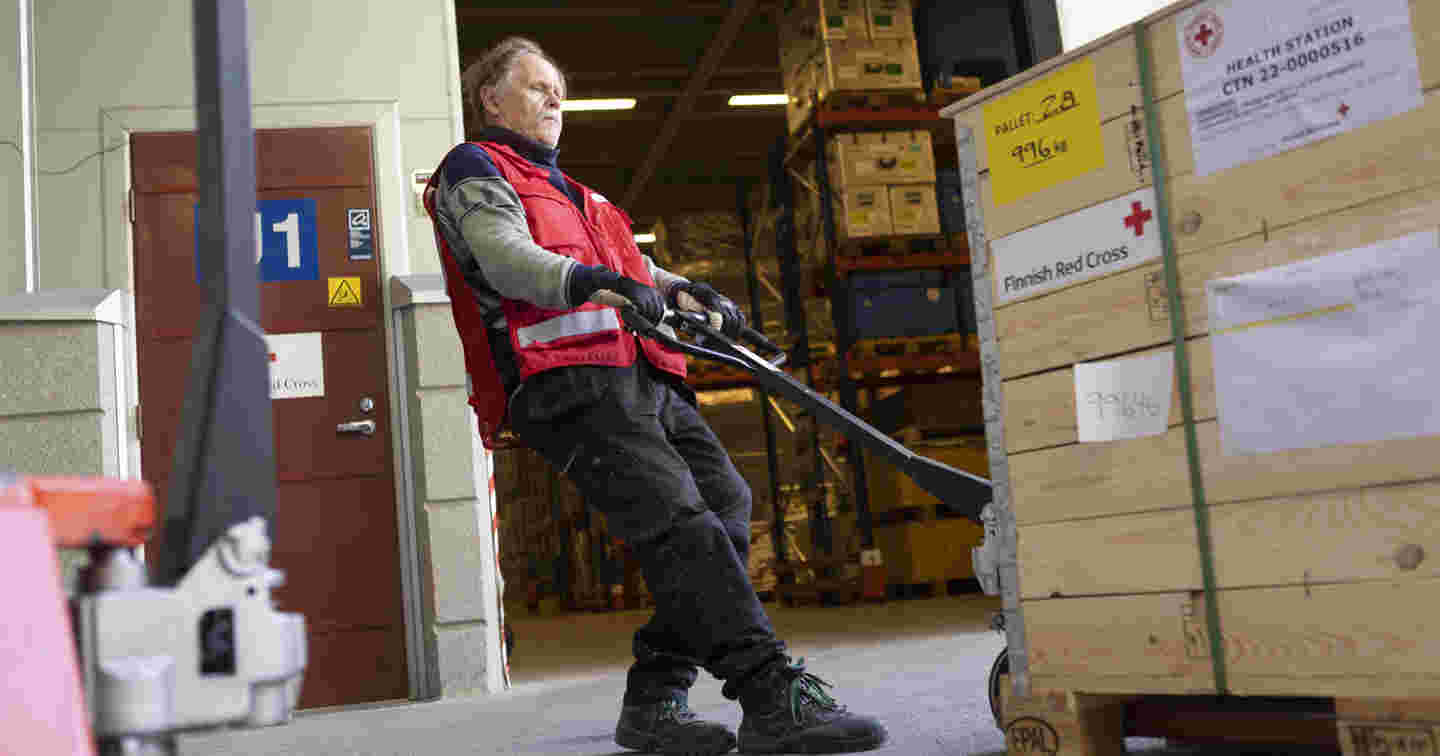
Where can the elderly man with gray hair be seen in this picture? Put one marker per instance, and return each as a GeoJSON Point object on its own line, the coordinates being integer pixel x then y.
{"type": "Point", "coordinates": [534, 263]}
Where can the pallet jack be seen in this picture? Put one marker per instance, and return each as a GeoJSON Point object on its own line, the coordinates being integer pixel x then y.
{"type": "Point", "coordinates": [962, 493]}
{"type": "Point", "coordinates": [189, 638]}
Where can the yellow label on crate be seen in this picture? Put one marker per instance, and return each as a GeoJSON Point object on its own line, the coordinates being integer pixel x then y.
{"type": "Point", "coordinates": [1045, 133]}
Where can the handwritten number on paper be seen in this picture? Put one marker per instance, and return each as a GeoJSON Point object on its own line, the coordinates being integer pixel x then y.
{"type": "Point", "coordinates": [1124, 404]}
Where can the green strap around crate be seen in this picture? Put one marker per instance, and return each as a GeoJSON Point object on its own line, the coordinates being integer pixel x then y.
{"type": "Point", "coordinates": [1182, 360]}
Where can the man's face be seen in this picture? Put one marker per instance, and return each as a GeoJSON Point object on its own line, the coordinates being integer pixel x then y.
{"type": "Point", "coordinates": [528, 102]}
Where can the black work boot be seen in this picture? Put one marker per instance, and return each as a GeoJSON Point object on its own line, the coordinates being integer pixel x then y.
{"type": "Point", "coordinates": [670, 727]}
{"type": "Point", "coordinates": [788, 711]}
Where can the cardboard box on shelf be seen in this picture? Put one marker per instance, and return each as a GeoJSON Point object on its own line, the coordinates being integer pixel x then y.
{"type": "Point", "coordinates": [881, 157]}
{"type": "Point", "coordinates": [879, 64]}
{"type": "Point", "coordinates": [815, 20]}
{"type": "Point", "coordinates": [890, 19]}
{"type": "Point", "coordinates": [913, 209]}
{"type": "Point", "coordinates": [863, 212]}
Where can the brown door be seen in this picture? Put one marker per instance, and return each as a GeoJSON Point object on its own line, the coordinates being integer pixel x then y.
{"type": "Point", "coordinates": [335, 533]}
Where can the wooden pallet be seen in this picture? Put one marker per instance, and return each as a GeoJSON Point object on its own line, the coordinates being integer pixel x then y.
{"type": "Point", "coordinates": [902, 369]}
{"type": "Point", "coordinates": [948, 255]}
{"type": "Point", "coordinates": [902, 591]}
{"type": "Point", "coordinates": [917, 434]}
{"type": "Point", "coordinates": [960, 88]}
{"type": "Point", "coordinates": [893, 245]}
{"type": "Point", "coordinates": [846, 103]}
{"type": "Point", "coordinates": [899, 515]}
{"type": "Point", "coordinates": [910, 345]}
{"type": "Point", "coordinates": [863, 109]}
{"type": "Point", "coordinates": [822, 592]}
{"type": "Point", "coordinates": [1073, 723]}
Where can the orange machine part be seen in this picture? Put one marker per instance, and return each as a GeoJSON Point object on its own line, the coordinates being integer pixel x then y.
{"type": "Point", "coordinates": [85, 511]}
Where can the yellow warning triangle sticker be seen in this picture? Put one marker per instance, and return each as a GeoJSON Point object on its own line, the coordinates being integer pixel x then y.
{"type": "Point", "coordinates": [345, 292]}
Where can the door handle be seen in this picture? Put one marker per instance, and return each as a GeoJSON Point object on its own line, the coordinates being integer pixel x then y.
{"type": "Point", "coordinates": [366, 427]}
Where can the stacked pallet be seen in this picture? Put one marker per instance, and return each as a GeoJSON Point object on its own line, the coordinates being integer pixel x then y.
{"type": "Point", "coordinates": [852, 50]}
{"type": "Point", "coordinates": [883, 184]}
{"type": "Point", "coordinates": [1317, 534]}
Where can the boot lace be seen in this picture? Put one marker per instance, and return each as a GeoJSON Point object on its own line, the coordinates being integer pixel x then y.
{"type": "Point", "coordinates": [807, 688]}
{"type": "Point", "coordinates": [676, 710]}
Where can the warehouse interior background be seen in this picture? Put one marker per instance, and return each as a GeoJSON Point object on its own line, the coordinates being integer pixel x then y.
{"type": "Point", "coordinates": [709, 184]}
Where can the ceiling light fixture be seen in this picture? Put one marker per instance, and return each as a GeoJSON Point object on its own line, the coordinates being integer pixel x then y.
{"type": "Point", "coordinates": [644, 238]}
{"type": "Point", "coordinates": [759, 99]}
{"type": "Point", "coordinates": [622, 103]}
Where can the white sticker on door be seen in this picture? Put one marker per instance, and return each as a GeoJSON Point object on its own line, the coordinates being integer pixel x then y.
{"type": "Point", "coordinates": [297, 365]}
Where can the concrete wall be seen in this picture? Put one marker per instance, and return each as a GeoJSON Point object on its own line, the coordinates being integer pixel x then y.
{"type": "Point", "coordinates": [62, 390]}
{"type": "Point", "coordinates": [92, 56]}
{"type": "Point", "coordinates": [449, 477]}
{"type": "Point", "coordinates": [12, 260]}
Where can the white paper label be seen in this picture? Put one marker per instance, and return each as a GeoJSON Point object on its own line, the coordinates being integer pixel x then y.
{"type": "Point", "coordinates": [1111, 236]}
{"type": "Point", "coordinates": [1263, 78]}
{"type": "Point", "coordinates": [1333, 350]}
{"type": "Point", "coordinates": [1126, 398]}
{"type": "Point", "coordinates": [297, 365]}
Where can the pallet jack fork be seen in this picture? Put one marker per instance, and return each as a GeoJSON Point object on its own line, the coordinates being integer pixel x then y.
{"type": "Point", "coordinates": [960, 491]}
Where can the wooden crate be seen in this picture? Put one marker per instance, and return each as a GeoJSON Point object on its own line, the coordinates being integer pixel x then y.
{"type": "Point", "coordinates": [1323, 580]}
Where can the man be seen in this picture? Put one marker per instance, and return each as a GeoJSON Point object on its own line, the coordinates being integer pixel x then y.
{"type": "Point", "coordinates": [532, 260]}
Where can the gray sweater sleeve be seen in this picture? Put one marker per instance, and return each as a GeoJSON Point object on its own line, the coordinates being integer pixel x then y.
{"type": "Point", "coordinates": [665, 281]}
{"type": "Point", "coordinates": [488, 232]}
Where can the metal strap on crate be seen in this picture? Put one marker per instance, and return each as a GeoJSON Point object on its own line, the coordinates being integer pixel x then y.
{"type": "Point", "coordinates": [1182, 358]}
{"type": "Point", "coordinates": [1001, 515]}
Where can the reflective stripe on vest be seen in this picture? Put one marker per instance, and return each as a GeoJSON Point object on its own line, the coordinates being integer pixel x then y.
{"type": "Point", "coordinates": [577, 323]}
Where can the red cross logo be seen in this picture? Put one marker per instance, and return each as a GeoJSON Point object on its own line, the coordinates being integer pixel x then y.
{"type": "Point", "coordinates": [1344, 110]}
{"type": "Point", "coordinates": [1137, 218]}
{"type": "Point", "coordinates": [273, 358]}
{"type": "Point", "coordinates": [1203, 34]}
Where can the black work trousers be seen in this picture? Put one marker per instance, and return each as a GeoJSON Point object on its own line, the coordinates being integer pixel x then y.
{"type": "Point", "coordinates": [641, 454]}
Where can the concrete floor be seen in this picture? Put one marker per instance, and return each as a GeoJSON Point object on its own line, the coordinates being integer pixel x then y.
{"type": "Point", "coordinates": [920, 666]}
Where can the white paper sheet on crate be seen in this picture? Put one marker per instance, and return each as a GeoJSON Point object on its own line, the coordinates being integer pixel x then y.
{"type": "Point", "coordinates": [1125, 398]}
{"type": "Point", "coordinates": [1263, 78]}
{"type": "Point", "coordinates": [1339, 349]}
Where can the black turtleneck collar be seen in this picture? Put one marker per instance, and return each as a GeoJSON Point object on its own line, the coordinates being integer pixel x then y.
{"type": "Point", "coordinates": [528, 148]}
{"type": "Point", "coordinates": [538, 154]}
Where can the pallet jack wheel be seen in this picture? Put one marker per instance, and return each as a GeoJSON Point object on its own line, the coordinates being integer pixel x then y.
{"type": "Point", "coordinates": [999, 675]}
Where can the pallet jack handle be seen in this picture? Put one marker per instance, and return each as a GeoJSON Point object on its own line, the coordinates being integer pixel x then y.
{"type": "Point", "coordinates": [961, 492]}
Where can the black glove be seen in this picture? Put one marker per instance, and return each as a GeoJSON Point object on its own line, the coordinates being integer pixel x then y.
{"type": "Point", "coordinates": [585, 280]}
{"type": "Point", "coordinates": [714, 301]}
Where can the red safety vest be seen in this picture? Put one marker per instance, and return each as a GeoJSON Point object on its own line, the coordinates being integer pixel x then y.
{"type": "Point", "coordinates": [590, 334]}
